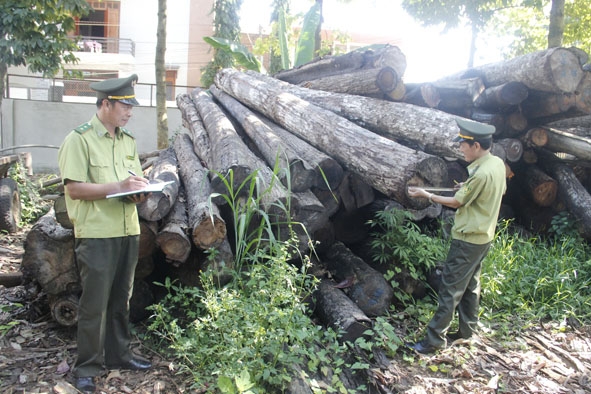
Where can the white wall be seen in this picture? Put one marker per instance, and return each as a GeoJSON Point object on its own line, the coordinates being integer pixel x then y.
{"type": "Point", "coordinates": [26, 122]}
{"type": "Point", "coordinates": [139, 22]}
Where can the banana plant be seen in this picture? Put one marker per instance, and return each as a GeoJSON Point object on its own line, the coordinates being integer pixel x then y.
{"type": "Point", "coordinates": [239, 52]}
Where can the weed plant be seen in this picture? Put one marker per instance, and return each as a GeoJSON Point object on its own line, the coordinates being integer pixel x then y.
{"type": "Point", "coordinates": [254, 334]}
{"type": "Point", "coordinates": [537, 279]}
{"type": "Point", "coordinates": [32, 206]}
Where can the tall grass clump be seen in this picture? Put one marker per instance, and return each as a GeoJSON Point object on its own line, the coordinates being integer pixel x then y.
{"type": "Point", "coordinates": [254, 334]}
{"type": "Point", "coordinates": [536, 278]}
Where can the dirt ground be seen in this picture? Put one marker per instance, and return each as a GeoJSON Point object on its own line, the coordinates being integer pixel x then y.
{"type": "Point", "coordinates": [36, 355]}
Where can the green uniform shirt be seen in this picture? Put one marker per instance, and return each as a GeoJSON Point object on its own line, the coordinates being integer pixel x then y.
{"type": "Point", "coordinates": [89, 154]}
{"type": "Point", "coordinates": [480, 196]}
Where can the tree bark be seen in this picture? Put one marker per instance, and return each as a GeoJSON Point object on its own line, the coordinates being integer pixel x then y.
{"type": "Point", "coordinates": [328, 172]}
{"type": "Point", "coordinates": [549, 70]}
{"type": "Point", "coordinates": [395, 121]}
{"type": "Point", "coordinates": [172, 237]}
{"type": "Point", "coordinates": [458, 94]}
{"type": "Point", "coordinates": [501, 97]}
{"type": "Point", "coordinates": [364, 82]}
{"type": "Point", "coordinates": [338, 311]}
{"type": "Point", "coordinates": [576, 197]}
{"type": "Point", "coordinates": [61, 212]}
{"type": "Point", "coordinates": [513, 149]}
{"type": "Point", "coordinates": [148, 231]}
{"type": "Point", "coordinates": [208, 229]}
{"type": "Point", "coordinates": [190, 115]}
{"type": "Point", "coordinates": [49, 257]}
{"type": "Point", "coordinates": [160, 69]}
{"type": "Point", "coordinates": [228, 151]}
{"type": "Point", "coordinates": [335, 65]}
{"type": "Point", "coordinates": [157, 205]}
{"type": "Point", "coordinates": [556, 140]}
{"type": "Point", "coordinates": [368, 288]}
{"type": "Point", "coordinates": [541, 187]}
{"type": "Point", "coordinates": [294, 172]}
{"type": "Point", "coordinates": [340, 138]}
{"type": "Point", "coordinates": [424, 95]}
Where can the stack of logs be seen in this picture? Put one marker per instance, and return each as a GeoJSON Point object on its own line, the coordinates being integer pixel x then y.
{"type": "Point", "coordinates": [343, 136]}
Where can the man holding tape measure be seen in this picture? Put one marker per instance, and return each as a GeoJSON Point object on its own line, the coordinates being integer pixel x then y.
{"type": "Point", "coordinates": [477, 201]}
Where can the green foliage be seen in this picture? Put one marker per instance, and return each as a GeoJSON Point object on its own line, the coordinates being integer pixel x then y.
{"type": "Point", "coordinates": [32, 206]}
{"type": "Point", "coordinates": [238, 51]}
{"type": "Point", "coordinates": [247, 336]}
{"type": "Point", "coordinates": [34, 33]}
{"type": "Point", "coordinates": [6, 327]}
{"type": "Point", "coordinates": [307, 40]}
{"type": "Point", "coordinates": [226, 24]}
{"type": "Point", "coordinates": [398, 241]}
{"type": "Point", "coordinates": [536, 279]}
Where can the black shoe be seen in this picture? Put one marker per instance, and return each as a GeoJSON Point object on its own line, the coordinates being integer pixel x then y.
{"type": "Point", "coordinates": [423, 347]}
{"type": "Point", "coordinates": [135, 364]}
{"type": "Point", "coordinates": [454, 336]}
{"type": "Point", "coordinates": [85, 384]}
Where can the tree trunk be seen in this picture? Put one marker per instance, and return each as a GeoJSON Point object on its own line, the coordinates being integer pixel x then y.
{"type": "Point", "coordinates": [424, 95]}
{"type": "Point", "coordinates": [338, 311]}
{"type": "Point", "coordinates": [228, 151]}
{"type": "Point", "coordinates": [458, 94]}
{"type": "Point", "coordinates": [556, 140]}
{"type": "Point", "coordinates": [328, 172]}
{"type": "Point", "coordinates": [157, 205]}
{"type": "Point", "coordinates": [366, 286]}
{"type": "Point", "coordinates": [541, 187]}
{"type": "Point", "coordinates": [499, 98]}
{"type": "Point", "coordinates": [576, 197]}
{"type": "Point", "coordinates": [201, 143]}
{"type": "Point", "coordinates": [335, 65]}
{"type": "Point", "coordinates": [61, 212]}
{"type": "Point", "coordinates": [340, 138]}
{"type": "Point", "coordinates": [364, 82]}
{"type": "Point", "coordinates": [172, 237]}
{"type": "Point", "coordinates": [49, 257]}
{"type": "Point", "coordinates": [159, 62]}
{"type": "Point", "coordinates": [550, 70]}
{"type": "Point", "coordinates": [396, 121]}
{"type": "Point", "coordinates": [556, 28]}
{"type": "Point", "coordinates": [208, 229]}
{"type": "Point", "coordinates": [148, 231]}
{"type": "Point", "coordinates": [293, 171]}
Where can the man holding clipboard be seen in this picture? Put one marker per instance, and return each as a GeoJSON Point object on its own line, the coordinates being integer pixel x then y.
{"type": "Point", "coordinates": [96, 160]}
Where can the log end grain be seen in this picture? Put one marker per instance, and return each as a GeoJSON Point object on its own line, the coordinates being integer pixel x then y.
{"type": "Point", "coordinates": [209, 232]}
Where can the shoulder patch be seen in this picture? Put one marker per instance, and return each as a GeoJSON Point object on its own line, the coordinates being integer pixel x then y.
{"type": "Point", "coordinates": [83, 128]}
{"type": "Point", "coordinates": [129, 133]}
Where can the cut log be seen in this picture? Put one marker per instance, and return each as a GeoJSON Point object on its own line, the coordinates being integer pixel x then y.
{"type": "Point", "coordinates": [541, 188]}
{"type": "Point", "coordinates": [354, 192]}
{"type": "Point", "coordinates": [229, 154]}
{"type": "Point", "coordinates": [583, 122]}
{"type": "Point", "coordinates": [49, 257]}
{"type": "Point", "coordinates": [499, 98]}
{"type": "Point", "coordinates": [458, 94]}
{"type": "Point", "coordinates": [199, 136]}
{"type": "Point", "coordinates": [11, 279]}
{"type": "Point", "coordinates": [364, 82]}
{"type": "Point", "coordinates": [64, 309]}
{"type": "Point", "coordinates": [549, 70]}
{"type": "Point", "coordinates": [396, 121]}
{"type": "Point", "coordinates": [423, 94]}
{"type": "Point", "coordinates": [572, 192]}
{"type": "Point", "coordinates": [328, 172]}
{"type": "Point", "coordinates": [294, 172]}
{"type": "Point", "coordinates": [61, 212]}
{"type": "Point", "coordinates": [368, 288]}
{"type": "Point", "coordinates": [377, 57]}
{"type": "Point", "coordinates": [338, 311]}
{"type": "Point", "coordinates": [339, 138]}
{"type": "Point", "coordinates": [557, 141]}
{"type": "Point", "coordinates": [513, 149]}
{"type": "Point", "coordinates": [157, 205]}
{"type": "Point", "coordinates": [172, 237]}
{"type": "Point", "coordinates": [541, 106]}
{"type": "Point", "coordinates": [208, 229]}
{"type": "Point", "coordinates": [148, 231]}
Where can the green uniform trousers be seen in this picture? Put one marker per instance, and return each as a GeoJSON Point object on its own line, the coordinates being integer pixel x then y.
{"type": "Point", "coordinates": [107, 268]}
{"type": "Point", "coordinates": [459, 289]}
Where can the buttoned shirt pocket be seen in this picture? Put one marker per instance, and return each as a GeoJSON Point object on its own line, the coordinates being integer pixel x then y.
{"type": "Point", "coordinates": [99, 169]}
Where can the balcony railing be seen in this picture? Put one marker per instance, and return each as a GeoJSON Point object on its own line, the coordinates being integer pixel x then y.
{"type": "Point", "coordinates": [106, 45]}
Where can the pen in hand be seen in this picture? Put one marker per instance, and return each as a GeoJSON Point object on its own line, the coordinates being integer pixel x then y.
{"type": "Point", "coordinates": [131, 172]}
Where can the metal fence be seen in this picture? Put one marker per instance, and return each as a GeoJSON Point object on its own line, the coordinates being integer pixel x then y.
{"type": "Point", "coordinates": [26, 87]}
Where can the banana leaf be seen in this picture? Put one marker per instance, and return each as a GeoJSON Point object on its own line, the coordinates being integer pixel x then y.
{"type": "Point", "coordinates": [283, 42]}
{"type": "Point", "coordinates": [307, 39]}
{"type": "Point", "coordinates": [238, 51]}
